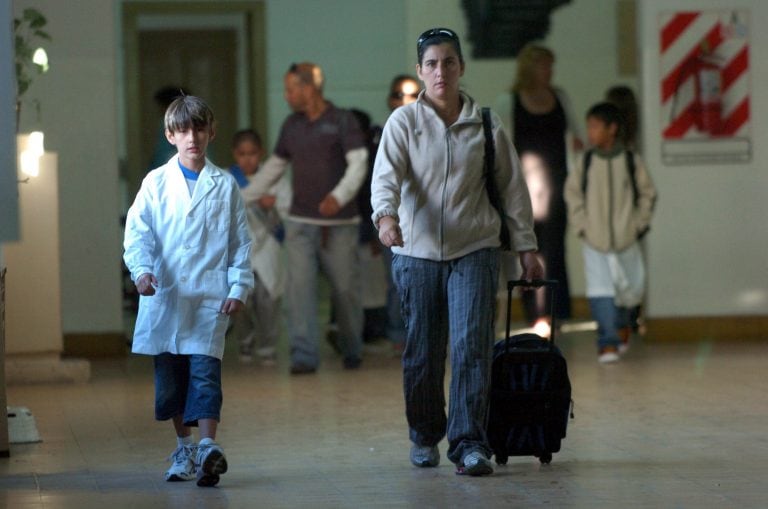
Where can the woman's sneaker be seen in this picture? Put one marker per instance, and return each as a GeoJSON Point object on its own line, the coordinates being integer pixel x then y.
{"type": "Point", "coordinates": [475, 464]}
{"type": "Point", "coordinates": [210, 461]}
{"type": "Point", "coordinates": [183, 466]}
{"type": "Point", "coordinates": [425, 456]}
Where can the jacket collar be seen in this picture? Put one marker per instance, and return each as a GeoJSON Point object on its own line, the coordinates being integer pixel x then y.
{"type": "Point", "coordinates": [469, 114]}
{"type": "Point", "coordinates": [207, 181]}
{"type": "Point", "coordinates": [617, 149]}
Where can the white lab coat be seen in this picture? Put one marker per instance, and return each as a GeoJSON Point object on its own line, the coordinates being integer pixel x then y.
{"type": "Point", "coordinates": [197, 247]}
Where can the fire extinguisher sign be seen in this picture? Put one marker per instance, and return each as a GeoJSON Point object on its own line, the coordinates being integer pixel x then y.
{"type": "Point", "coordinates": [705, 87]}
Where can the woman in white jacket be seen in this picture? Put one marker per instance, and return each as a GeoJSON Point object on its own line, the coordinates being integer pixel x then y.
{"type": "Point", "coordinates": [431, 206]}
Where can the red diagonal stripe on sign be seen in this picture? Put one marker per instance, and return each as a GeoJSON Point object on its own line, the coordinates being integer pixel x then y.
{"type": "Point", "coordinates": [735, 68]}
{"type": "Point", "coordinates": [676, 27]}
{"type": "Point", "coordinates": [685, 68]}
{"type": "Point", "coordinates": [680, 125]}
{"type": "Point", "coordinates": [736, 119]}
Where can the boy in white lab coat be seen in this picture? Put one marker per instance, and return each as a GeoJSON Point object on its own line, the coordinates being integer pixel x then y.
{"type": "Point", "coordinates": [186, 246]}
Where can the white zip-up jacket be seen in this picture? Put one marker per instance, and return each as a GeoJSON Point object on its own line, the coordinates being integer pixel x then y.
{"type": "Point", "coordinates": [430, 178]}
{"type": "Point", "coordinates": [606, 216]}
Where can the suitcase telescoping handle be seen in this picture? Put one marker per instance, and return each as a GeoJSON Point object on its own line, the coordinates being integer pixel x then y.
{"type": "Point", "coordinates": [550, 284]}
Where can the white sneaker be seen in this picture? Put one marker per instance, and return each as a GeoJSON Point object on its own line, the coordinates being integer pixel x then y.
{"type": "Point", "coordinates": [183, 466]}
{"type": "Point", "coordinates": [475, 464]}
{"type": "Point", "coordinates": [625, 334]}
{"type": "Point", "coordinates": [210, 462]}
{"type": "Point", "coordinates": [608, 354]}
{"type": "Point", "coordinates": [425, 456]}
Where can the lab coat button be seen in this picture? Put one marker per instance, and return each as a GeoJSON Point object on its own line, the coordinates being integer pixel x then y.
{"type": "Point", "coordinates": [183, 279]}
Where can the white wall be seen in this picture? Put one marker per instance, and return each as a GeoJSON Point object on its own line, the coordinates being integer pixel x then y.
{"type": "Point", "coordinates": [709, 240]}
{"type": "Point", "coordinates": [361, 44]}
{"type": "Point", "coordinates": [9, 217]}
{"type": "Point", "coordinates": [358, 44]}
{"type": "Point", "coordinates": [78, 104]}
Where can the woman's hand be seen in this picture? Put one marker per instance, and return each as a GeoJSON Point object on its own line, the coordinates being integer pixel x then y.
{"type": "Point", "coordinates": [532, 268]}
{"type": "Point", "coordinates": [389, 232]}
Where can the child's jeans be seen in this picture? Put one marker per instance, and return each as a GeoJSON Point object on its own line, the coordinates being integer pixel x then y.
{"type": "Point", "coordinates": [188, 385]}
{"type": "Point", "coordinates": [610, 318]}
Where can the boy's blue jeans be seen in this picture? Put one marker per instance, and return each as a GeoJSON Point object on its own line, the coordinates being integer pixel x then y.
{"type": "Point", "coordinates": [188, 385]}
{"type": "Point", "coordinates": [610, 318]}
{"type": "Point", "coordinates": [442, 302]}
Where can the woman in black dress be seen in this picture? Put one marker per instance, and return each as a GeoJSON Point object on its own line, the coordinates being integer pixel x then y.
{"type": "Point", "coordinates": [543, 134]}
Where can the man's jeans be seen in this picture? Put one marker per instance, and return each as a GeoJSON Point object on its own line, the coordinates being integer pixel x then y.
{"type": "Point", "coordinates": [334, 249]}
{"type": "Point", "coordinates": [610, 318]}
{"type": "Point", "coordinates": [440, 301]}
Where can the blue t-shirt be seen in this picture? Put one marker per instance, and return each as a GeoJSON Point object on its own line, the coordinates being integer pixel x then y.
{"type": "Point", "coordinates": [190, 177]}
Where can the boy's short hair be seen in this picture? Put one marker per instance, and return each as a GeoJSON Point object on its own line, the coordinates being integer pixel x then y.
{"type": "Point", "coordinates": [246, 135]}
{"type": "Point", "coordinates": [607, 112]}
{"type": "Point", "coordinates": [188, 111]}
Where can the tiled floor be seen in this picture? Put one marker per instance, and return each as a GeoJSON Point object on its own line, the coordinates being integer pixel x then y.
{"type": "Point", "coordinates": [673, 425]}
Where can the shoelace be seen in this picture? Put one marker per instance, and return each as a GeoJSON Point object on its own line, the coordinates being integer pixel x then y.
{"type": "Point", "coordinates": [182, 453]}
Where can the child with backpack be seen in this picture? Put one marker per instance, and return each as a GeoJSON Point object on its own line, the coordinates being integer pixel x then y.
{"type": "Point", "coordinates": [610, 200]}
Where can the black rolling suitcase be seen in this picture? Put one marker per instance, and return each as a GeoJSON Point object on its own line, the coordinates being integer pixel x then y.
{"type": "Point", "coordinates": [530, 400]}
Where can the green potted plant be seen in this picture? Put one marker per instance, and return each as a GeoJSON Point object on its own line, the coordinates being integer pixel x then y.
{"type": "Point", "coordinates": [30, 60]}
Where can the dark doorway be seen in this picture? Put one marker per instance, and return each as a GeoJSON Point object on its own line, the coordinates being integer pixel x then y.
{"type": "Point", "coordinates": [202, 61]}
{"type": "Point", "coordinates": [205, 55]}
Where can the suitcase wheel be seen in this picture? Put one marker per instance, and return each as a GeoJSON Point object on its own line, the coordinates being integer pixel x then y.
{"type": "Point", "coordinates": [501, 459]}
{"type": "Point", "coordinates": [546, 458]}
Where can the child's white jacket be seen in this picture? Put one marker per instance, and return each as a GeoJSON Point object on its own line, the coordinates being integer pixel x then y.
{"type": "Point", "coordinates": [266, 251]}
{"type": "Point", "coordinates": [197, 247]}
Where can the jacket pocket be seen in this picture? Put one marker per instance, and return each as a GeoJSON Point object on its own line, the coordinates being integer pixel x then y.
{"type": "Point", "coordinates": [215, 289]}
{"type": "Point", "coordinates": [217, 215]}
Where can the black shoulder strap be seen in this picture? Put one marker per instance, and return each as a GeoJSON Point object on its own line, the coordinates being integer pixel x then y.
{"type": "Point", "coordinates": [630, 161]}
{"type": "Point", "coordinates": [632, 179]}
{"type": "Point", "coordinates": [490, 180]}
{"type": "Point", "coordinates": [587, 162]}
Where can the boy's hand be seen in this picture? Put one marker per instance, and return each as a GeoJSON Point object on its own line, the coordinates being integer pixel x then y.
{"type": "Point", "coordinates": [267, 201]}
{"type": "Point", "coordinates": [146, 284]}
{"type": "Point", "coordinates": [231, 306]}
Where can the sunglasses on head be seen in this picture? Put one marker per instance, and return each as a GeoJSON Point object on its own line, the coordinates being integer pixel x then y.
{"type": "Point", "coordinates": [436, 32]}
